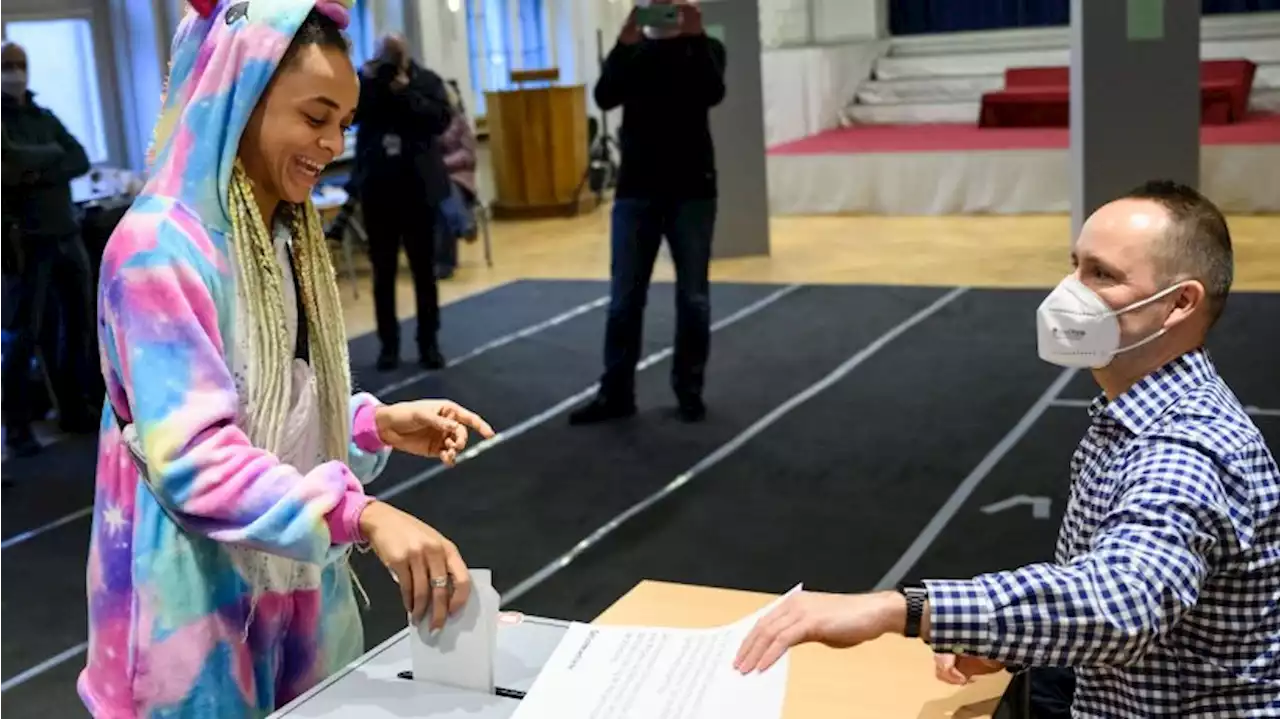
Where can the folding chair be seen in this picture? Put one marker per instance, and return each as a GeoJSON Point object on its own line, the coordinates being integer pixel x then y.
{"type": "Point", "coordinates": [343, 226]}
{"type": "Point", "coordinates": [480, 210]}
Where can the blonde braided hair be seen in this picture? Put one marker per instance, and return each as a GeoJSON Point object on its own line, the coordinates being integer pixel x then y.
{"type": "Point", "coordinates": [262, 279]}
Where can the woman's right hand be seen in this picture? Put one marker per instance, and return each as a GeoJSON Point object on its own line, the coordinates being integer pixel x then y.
{"type": "Point", "coordinates": [416, 554]}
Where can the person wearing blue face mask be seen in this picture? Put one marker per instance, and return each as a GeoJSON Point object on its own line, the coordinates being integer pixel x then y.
{"type": "Point", "coordinates": [40, 159]}
{"type": "Point", "coordinates": [1164, 594]}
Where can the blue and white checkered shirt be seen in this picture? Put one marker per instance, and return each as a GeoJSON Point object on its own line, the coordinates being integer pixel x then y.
{"type": "Point", "coordinates": [1165, 592]}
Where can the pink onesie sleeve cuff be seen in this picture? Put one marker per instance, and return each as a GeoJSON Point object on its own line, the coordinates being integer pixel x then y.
{"type": "Point", "coordinates": [364, 429]}
{"type": "Point", "coordinates": [344, 520]}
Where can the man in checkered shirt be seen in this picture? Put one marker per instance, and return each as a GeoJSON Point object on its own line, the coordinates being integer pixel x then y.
{"type": "Point", "coordinates": [1164, 596]}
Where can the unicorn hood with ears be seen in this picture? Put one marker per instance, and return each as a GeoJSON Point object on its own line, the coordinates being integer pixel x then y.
{"type": "Point", "coordinates": [230, 472]}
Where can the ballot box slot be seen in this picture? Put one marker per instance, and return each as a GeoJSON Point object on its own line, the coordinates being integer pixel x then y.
{"type": "Point", "coordinates": [498, 691]}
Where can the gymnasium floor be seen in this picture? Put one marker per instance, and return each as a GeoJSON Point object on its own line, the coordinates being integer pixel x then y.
{"type": "Point", "coordinates": [856, 431]}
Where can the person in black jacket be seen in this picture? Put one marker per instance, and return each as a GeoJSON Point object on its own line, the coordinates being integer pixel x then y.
{"type": "Point", "coordinates": [40, 158]}
{"type": "Point", "coordinates": [401, 180]}
{"type": "Point", "coordinates": [666, 80]}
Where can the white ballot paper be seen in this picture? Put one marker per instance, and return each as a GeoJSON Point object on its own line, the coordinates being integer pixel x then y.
{"type": "Point", "coordinates": [603, 672]}
{"type": "Point", "coordinates": [461, 654]}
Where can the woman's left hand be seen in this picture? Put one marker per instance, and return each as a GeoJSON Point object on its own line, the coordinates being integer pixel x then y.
{"type": "Point", "coordinates": [429, 428]}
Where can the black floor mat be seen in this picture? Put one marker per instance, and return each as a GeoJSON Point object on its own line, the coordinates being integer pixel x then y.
{"type": "Point", "coordinates": [834, 491]}
{"type": "Point", "coordinates": [830, 494]}
{"type": "Point", "coordinates": [518, 507]}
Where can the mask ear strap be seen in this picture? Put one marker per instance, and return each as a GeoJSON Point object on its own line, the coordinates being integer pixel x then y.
{"type": "Point", "coordinates": [1143, 303]}
{"type": "Point", "coordinates": [1159, 333]}
{"type": "Point", "coordinates": [1154, 336]}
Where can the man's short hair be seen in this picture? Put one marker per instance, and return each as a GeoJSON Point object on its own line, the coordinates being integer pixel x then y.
{"type": "Point", "coordinates": [1199, 244]}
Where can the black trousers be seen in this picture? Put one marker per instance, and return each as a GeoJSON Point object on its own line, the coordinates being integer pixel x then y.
{"type": "Point", "coordinates": [1038, 693]}
{"type": "Point", "coordinates": [394, 217]}
{"type": "Point", "coordinates": [53, 268]}
{"type": "Point", "coordinates": [636, 235]}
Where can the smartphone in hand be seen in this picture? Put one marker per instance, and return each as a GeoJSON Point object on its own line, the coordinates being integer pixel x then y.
{"type": "Point", "coordinates": [661, 17]}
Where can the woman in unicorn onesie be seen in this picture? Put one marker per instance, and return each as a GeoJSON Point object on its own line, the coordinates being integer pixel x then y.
{"type": "Point", "coordinates": [233, 455]}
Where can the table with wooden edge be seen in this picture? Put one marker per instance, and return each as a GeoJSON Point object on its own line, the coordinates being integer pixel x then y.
{"type": "Point", "coordinates": [890, 678]}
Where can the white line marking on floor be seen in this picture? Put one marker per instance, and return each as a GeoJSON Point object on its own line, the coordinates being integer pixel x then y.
{"type": "Point", "coordinates": [502, 341]}
{"type": "Point", "coordinates": [1250, 409]}
{"type": "Point", "coordinates": [1072, 403]}
{"type": "Point", "coordinates": [569, 402]}
{"type": "Point", "coordinates": [393, 387]}
{"type": "Point", "coordinates": [473, 451]}
{"type": "Point", "coordinates": [32, 533]}
{"type": "Point", "coordinates": [957, 499]}
{"type": "Point", "coordinates": [44, 666]}
{"type": "Point", "coordinates": [728, 448]}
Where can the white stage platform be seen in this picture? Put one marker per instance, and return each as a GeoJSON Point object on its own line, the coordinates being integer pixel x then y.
{"type": "Point", "coordinates": [964, 170]}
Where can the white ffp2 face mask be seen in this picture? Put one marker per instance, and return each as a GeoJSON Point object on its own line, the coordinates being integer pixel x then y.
{"type": "Point", "coordinates": [1076, 328]}
{"type": "Point", "coordinates": [13, 82]}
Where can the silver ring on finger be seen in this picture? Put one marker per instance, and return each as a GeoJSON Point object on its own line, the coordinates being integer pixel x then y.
{"type": "Point", "coordinates": [440, 582]}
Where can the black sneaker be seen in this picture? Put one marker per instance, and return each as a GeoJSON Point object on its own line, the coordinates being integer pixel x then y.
{"type": "Point", "coordinates": [602, 409]}
{"type": "Point", "coordinates": [431, 359]}
{"type": "Point", "coordinates": [388, 361]}
{"type": "Point", "coordinates": [692, 409]}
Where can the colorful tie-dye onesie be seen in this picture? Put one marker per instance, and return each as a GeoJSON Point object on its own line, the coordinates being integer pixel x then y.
{"type": "Point", "coordinates": [176, 628]}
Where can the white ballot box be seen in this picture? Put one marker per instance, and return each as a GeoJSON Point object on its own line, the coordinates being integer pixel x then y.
{"type": "Point", "coordinates": [890, 678]}
{"type": "Point", "coordinates": [372, 688]}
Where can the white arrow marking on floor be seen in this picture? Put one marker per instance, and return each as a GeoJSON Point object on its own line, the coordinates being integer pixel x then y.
{"type": "Point", "coordinates": [1039, 505]}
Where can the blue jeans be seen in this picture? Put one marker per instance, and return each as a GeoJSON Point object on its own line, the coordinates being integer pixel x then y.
{"type": "Point", "coordinates": [638, 229]}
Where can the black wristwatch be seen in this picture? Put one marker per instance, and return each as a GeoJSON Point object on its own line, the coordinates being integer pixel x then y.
{"type": "Point", "coordinates": [916, 596]}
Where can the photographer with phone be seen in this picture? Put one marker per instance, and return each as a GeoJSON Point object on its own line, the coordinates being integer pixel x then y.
{"type": "Point", "coordinates": [401, 181]}
{"type": "Point", "coordinates": [666, 74]}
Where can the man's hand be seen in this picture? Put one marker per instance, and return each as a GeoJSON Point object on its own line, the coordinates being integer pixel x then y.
{"type": "Point", "coordinates": [690, 20]}
{"type": "Point", "coordinates": [836, 620]}
{"type": "Point", "coordinates": [630, 34]}
{"type": "Point", "coordinates": [428, 428]}
{"type": "Point", "coordinates": [428, 568]}
{"type": "Point", "coordinates": [962, 669]}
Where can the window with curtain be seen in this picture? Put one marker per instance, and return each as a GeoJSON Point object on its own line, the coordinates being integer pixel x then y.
{"type": "Point", "coordinates": [63, 74]}
{"type": "Point", "coordinates": [913, 17]}
{"type": "Point", "coordinates": [504, 35]}
{"type": "Point", "coordinates": [360, 32]}
{"type": "Point", "coordinates": [1216, 7]}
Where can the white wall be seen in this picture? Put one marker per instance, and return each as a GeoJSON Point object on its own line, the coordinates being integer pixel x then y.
{"type": "Point", "coordinates": [790, 23]}
{"type": "Point", "coordinates": [785, 23]}
{"type": "Point", "coordinates": [577, 47]}
{"type": "Point", "coordinates": [443, 32]}
{"type": "Point", "coordinates": [806, 88]}
{"type": "Point", "coordinates": [842, 20]}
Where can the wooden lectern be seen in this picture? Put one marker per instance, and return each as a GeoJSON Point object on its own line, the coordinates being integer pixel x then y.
{"type": "Point", "coordinates": [538, 141]}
